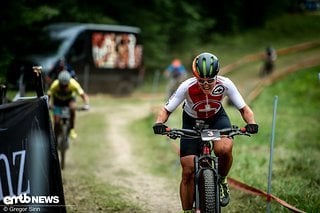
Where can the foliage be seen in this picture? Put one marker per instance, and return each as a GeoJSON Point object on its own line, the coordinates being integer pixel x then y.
{"type": "Point", "coordinates": [168, 27]}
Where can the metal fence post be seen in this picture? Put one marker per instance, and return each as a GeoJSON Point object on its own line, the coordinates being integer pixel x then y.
{"type": "Point", "coordinates": [275, 103]}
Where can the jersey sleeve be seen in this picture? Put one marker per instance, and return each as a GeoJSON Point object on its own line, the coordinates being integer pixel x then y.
{"type": "Point", "coordinates": [178, 97]}
{"type": "Point", "coordinates": [234, 95]}
{"type": "Point", "coordinates": [78, 89]}
{"type": "Point", "coordinates": [53, 87]}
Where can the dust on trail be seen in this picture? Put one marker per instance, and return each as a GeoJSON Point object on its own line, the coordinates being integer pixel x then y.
{"type": "Point", "coordinates": [152, 193]}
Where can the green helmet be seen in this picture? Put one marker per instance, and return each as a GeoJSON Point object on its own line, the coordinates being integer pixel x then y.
{"type": "Point", "coordinates": [205, 65]}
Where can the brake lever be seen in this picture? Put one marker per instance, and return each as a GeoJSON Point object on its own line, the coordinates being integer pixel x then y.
{"type": "Point", "coordinates": [241, 133]}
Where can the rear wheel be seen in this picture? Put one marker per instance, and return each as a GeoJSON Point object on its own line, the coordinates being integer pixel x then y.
{"type": "Point", "coordinates": [207, 191]}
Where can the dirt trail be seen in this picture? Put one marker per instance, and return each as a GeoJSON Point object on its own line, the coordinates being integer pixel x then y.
{"type": "Point", "coordinates": [153, 193]}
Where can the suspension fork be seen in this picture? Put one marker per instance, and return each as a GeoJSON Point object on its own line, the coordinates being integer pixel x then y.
{"type": "Point", "coordinates": [217, 178]}
{"type": "Point", "coordinates": [196, 183]}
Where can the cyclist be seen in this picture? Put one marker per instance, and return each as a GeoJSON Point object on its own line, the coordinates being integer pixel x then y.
{"type": "Point", "coordinates": [60, 66]}
{"type": "Point", "coordinates": [63, 92]}
{"type": "Point", "coordinates": [202, 97]}
{"type": "Point", "coordinates": [269, 59]}
{"type": "Point", "coordinates": [176, 73]}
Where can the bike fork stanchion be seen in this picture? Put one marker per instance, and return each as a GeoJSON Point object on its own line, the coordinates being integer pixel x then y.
{"type": "Point", "coordinates": [196, 184]}
{"type": "Point", "coordinates": [217, 177]}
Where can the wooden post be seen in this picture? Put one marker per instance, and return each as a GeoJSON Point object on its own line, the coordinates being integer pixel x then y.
{"type": "Point", "coordinates": [3, 93]}
{"type": "Point", "coordinates": [39, 82]}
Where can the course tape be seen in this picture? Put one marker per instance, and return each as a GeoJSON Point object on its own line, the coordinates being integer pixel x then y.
{"type": "Point", "coordinates": [251, 190]}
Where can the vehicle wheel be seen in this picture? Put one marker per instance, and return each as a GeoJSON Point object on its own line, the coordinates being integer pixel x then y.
{"type": "Point", "coordinates": [207, 191]}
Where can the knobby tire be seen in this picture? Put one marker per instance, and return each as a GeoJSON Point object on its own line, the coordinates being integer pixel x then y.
{"type": "Point", "coordinates": [63, 147]}
{"type": "Point", "coordinates": [207, 189]}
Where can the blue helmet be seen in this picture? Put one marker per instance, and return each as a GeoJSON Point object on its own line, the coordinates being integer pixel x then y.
{"type": "Point", "coordinates": [64, 77]}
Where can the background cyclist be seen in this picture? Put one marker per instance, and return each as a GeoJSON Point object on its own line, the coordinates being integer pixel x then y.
{"type": "Point", "coordinates": [175, 73]}
{"type": "Point", "coordinates": [63, 92]}
{"type": "Point", "coordinates": [202, 97]}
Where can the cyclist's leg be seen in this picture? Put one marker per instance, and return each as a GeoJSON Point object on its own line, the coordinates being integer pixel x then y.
{"type": "Point", "coordinates": [188, 149]}
{"type": "Point", "coordinates": [223, 149]}
{"type": "Point", "coordinates": [56, 115]}
{"type": "Point", "coordinates": [72, 106]}
{"type": "Point", "coordinates": [187, 182]}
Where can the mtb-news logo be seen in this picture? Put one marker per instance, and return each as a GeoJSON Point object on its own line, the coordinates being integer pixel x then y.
{"type": "Point", "coordinates": [27, 203]}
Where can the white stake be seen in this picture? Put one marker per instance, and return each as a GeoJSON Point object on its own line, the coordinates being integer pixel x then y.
{"type": "Point", "coordinates": [275, 103]}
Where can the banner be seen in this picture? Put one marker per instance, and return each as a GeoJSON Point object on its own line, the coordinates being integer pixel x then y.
{"type": "Point", "coordinates": [30, 176]}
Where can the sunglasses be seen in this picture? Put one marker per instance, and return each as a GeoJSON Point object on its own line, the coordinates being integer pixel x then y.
{"type": "Point", "coordinates": [208, 81]}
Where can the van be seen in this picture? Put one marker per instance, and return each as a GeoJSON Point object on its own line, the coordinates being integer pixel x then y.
{"type": "Point", "coordinates": [105, 58]}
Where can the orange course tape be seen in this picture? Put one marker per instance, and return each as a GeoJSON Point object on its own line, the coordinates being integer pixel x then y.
{"type": "Point", "coordinates": [251, 190]}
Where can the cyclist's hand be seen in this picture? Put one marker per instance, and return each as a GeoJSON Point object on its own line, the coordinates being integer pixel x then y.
{"type": "Point", "coordinates": [252, 128]}
{"type": "Point", "coordinates": [86, 107]}
{"type": "Point", "coordinates": [159, 128]}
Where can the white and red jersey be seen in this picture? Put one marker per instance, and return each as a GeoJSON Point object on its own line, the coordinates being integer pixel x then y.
{"type": "Point", "coordinates": [199, 105]}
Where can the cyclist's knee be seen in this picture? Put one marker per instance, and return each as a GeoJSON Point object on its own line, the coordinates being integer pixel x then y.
{"type": "Point", "coordinates": [223, 147]}
{"type": "Point", "coordinates": [187, 175]}
{"type": "Point", "coordinates": [187, 171]}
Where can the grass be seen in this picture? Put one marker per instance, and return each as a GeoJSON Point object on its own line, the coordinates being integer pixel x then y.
{"type": "Point", "coordinates": [295, 178]}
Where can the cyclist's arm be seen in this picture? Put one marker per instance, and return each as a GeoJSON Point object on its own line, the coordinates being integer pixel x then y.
{"type": "Point", "coordinates": [52, 90]}
{"type": "Point", "coordinates": [163, 115]}
{"type": "Point", "coordinates": [78, 89]}
{"type": "Point", "coordinates": [85, 98]}
{"type": "Point", "coordinates": [247, 115]}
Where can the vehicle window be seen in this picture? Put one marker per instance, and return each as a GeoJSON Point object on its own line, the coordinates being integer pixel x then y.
{"type": "Point", "coordinates": [78, 49]}
{"type": "Point", "coordinates": [116, 50]}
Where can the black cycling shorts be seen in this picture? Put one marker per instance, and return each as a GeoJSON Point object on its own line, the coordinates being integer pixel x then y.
{"type": "Point", "coordinates": [61, 103]}
{"type": "Point", "coordinates": [191, 146]}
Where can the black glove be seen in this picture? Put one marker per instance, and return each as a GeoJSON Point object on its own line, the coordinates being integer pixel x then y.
{"type": "Point", "coordinates": [252, 128]}
{"type": "Point", "coordinates": [159, 128]}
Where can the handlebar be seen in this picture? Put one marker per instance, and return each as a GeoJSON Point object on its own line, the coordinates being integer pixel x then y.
{"type": "Point", "coordinates": [78, 108]}
{"type": "Point", "coordinates": [82, 108]}
{"type": "Point", "coordinates": [205, 134]}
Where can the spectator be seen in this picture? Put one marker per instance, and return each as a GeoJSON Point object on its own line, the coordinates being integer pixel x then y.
{"type": "Point", "coordinates": [269, 59]}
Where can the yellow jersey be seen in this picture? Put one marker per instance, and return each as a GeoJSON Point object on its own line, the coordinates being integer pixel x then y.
{"type": "Point", "coordinates": [71, 91]}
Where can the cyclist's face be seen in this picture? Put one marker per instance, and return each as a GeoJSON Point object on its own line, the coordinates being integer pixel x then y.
{"type": "Point", "coordinates": [207, 84]}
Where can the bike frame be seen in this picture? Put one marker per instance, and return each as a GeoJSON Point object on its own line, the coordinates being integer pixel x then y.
{"type": "Point", "coordinates": [206, 174]}
{"type": "Point", "coordinates": [63, 131]}
{"type": "Point", "coordinates": [206, 161]}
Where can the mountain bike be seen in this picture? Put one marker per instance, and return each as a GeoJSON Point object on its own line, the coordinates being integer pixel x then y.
{"type": "Point", "coordinates": [62, 134]}
{"type": "Point", "coordinates": [206, 174]}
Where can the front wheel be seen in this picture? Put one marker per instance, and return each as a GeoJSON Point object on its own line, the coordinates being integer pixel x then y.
{"type": "Point", "coordinates": [208, 192]}
{"type": "Point", "coordinates": [64, 145]}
